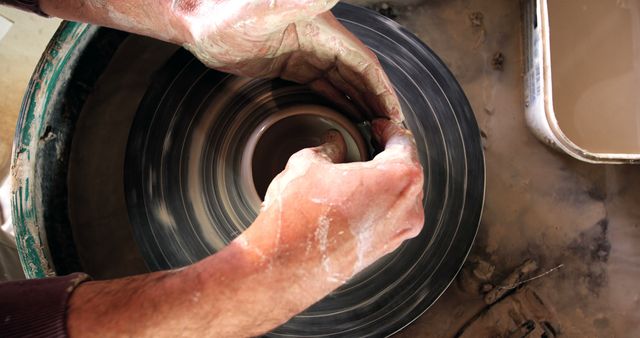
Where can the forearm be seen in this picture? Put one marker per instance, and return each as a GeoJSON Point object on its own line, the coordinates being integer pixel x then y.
{"type": "Point", "coordinates": [161, 19]}
{"type": "Point", "coordinates": [246, 289]}
{"type": "Point", "coordinates": [195, 301]}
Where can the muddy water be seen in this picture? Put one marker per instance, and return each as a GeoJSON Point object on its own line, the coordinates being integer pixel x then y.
{"type": "Point", "coordinates": [595, 61]}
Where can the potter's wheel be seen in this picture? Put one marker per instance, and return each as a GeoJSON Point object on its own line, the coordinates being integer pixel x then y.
{"type": "Point", "coordinates": [204, 145]}
{"type": "Point", "coordinates": [212, 143]}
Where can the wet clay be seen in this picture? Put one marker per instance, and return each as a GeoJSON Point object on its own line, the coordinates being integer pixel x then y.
{"type": "Point", "coordinates": [595, 62]}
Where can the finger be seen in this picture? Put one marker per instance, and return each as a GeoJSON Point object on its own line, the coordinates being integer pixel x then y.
{"type": "Point", "coordinates": [345, 87]}
{"type": "Point", "coordinates": [298, 69]}
{"type": "Point", "coordinates": [397, 141]}
{"type": "Point", "coordinates": [388, 133]}
{"type": "Point", "coordinates": [334, 148]}
{"type": "Point", "coordinates": [328, 91]}
{"type": "Point", "coordinates": [303, 68]}
{"type": "Point", "coordinates": [384, 95]}
{"type": "Point", "coordinates": [373, 83]}
{"type": "Point", "coordinates": [360, 67]}
{"type": "Point", "coordinates": [308, 68]}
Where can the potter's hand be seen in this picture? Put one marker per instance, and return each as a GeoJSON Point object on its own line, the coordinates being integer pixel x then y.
{"type": "Point", "coordinates": [321, 223]}
{"type": "Point", "coordinates": [335, 219]}
{"type": "Point", "coordinates": [297, 40]}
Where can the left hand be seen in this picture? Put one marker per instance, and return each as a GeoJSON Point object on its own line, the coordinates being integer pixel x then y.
{"type": "Point", "coordinates": [297, 40]}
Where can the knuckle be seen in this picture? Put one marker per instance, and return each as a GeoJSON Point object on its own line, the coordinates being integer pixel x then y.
{"type": "Point", "coordinates": [412, 173]}
{"type": "Point", "coordinates": [415, 231]}
{"type": "Point", "coordinates": [402, 172]}
{"type": "Point", "coordinates": [303, 155]}
{"type": "Point", "coordinates": [417, 222]}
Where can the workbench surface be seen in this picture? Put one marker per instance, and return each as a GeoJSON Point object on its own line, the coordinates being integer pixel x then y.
{"type": "Point", "coordinates": [579, 220]}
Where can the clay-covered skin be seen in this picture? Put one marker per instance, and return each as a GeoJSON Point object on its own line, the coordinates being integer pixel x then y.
{"type": "Point", "coordinates": [298, 40]}
{"type": "Point", "coordinates": [321, 222]}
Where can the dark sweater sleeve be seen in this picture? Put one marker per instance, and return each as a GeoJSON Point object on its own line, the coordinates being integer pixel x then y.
{"type": "Point", "coordinates": [36, 307]}
{"type": "Point", "coordinates": [26, 5]}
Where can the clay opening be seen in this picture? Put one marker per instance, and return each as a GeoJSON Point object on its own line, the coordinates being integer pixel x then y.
{"type": "Point", "coordinates": [287, 135]}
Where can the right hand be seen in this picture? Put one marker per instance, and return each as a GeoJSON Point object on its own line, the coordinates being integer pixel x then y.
{"type": "Point", "coordinates": [334, 219]}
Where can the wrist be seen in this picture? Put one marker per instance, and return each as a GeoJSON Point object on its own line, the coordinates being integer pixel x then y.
{"type": "Point", "coordinates": [312, 245]}
{"type": "Point", "coordinates": [179, 20]}
{"type": "Point", "coordinates": [240, 281]}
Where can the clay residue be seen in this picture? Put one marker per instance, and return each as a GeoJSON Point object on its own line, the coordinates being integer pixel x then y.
{"type": "Point", "coordinates": [321, 235]}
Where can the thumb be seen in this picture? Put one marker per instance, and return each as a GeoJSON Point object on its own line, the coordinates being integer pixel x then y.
{"type": "Point", "coordinates": [332, 150]}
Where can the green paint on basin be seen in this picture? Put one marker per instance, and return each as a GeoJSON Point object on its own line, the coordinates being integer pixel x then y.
{"type": "Point", "coordinates": [48, 82]}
